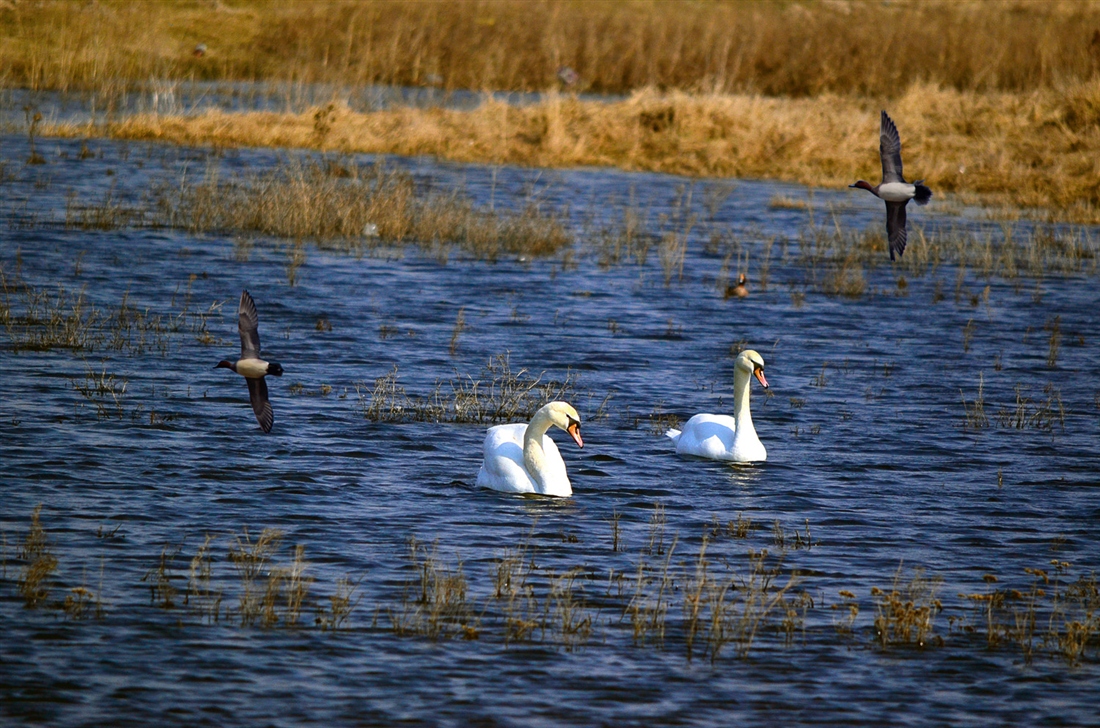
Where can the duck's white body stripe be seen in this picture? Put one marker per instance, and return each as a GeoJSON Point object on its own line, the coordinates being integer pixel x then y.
{"type": "Point", "coordinates": [252, 368]}
{"type": "Point", "coordinates": [897, 191]}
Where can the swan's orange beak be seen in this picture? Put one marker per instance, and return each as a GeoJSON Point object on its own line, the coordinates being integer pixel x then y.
{"type": "Point", "coordinates": [760, 376]}
{"type": "Point", "coordinates": [574, 431]}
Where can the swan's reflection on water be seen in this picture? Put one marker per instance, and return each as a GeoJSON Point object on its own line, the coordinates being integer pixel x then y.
{"type": "Point", "coordinates": [747, 476]}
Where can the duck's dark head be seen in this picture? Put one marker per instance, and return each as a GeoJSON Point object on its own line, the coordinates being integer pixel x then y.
{"type": "Point", "coordinates": [864, 186]}
{"type": "Point", "coordinates": [223, 364]}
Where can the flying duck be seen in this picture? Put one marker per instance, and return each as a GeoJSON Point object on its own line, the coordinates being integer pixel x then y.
{"type": "Point", "coordinates": [250, 365]}
{"type": "Point", "coordinates": [894, 189]}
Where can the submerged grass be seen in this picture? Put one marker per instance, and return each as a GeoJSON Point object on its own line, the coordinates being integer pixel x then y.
{"type": "Point", "coordinates": [435, 603]}
{"type": "Point", "coordinates": [711, 602]}
{"type": "Point", "coordinates": [499, 394]}
{"type": "Point", "coordinates": [356, 207]}
{"type": "Point", "coordinates": [38, 318]}
{"type": "Point", "coordinates": [1025, 413]}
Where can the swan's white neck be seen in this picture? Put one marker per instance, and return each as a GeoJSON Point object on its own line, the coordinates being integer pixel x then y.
{"type": "Point", "coordinates": [741, 414]}
{"type": "Point", "coordinates": [534, 456]}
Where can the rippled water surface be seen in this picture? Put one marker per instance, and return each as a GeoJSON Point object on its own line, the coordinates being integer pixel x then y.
{"type": "Point", "coordinates": [870, 465]}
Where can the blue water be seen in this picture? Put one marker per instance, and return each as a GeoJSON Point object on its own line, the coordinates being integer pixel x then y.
{"type": "Point", "coordinates": [877, 464]}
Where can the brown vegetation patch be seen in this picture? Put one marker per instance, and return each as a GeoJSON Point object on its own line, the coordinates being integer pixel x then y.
{"type": "Point", "coordinates": [776, 48]}
{"type": "Point", "coordinates": [1027, 150]}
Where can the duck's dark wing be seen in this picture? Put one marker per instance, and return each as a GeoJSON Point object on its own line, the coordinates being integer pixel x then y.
{"type": "Point", "coordinates": [248, 321]}
{"type": "Point", "coordinates": [889, 148]}
{"type": "Point", "coordinates": [895, 227]}
{"type": "Point", "coordinates": [257, 392]}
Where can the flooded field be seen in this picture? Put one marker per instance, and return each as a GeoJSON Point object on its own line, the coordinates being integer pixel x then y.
{"type": "Point", "coordinates": [919, 548]}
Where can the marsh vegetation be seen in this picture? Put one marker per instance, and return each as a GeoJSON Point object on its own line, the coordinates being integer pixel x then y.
{"type": "Point", "coordinates": [698, 596]}
{"type": "Point", "coordinates": [773, 48]}
{"type": "Point", "coordinates": [1001, 116]}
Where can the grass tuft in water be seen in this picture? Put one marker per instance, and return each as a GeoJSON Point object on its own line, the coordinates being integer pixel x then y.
{"type": "Point", "coordinates": [435, 603]}
{"type": "Point", "coordinates": [36, 576]}
{"type": "Point", "coordinates": [906, 613]}
{"type": "Point", "coordinates": [500, 394]}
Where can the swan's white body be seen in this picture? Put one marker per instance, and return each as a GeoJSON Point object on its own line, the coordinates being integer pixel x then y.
{"type": "Point", "coordinates": [721, 437]}
{"type": "Point", "coordinates": [523, 459]}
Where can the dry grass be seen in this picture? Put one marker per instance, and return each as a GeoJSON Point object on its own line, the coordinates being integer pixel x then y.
{"type": "Point", "coordinates": [776, 48]}
{"type": "Point", "coordinates": [354, 207]}
{"type": "Point", "coordinates": [162, 590]}
{"type": "Point", "coordinates": [499, 394]}
{"type": "Point", "coordinates": [36, 576]}
{"type": "Point", "coordinates": [201, 596]}
{"type": "Point", "coordinates": [104, 391]}
{"type": "Point", "coordinates": [1033, 150]}
{"type": "Point", "coordinates": [1070, 611]}
{"type": "Point", "coordinates": [906, 613]}
{"type": "Point", "coordinates": [707, 604]}
{"type": "Point", "coordinates": [43, 319]}
{"type": "Point", "coordinates": [1025, 413]}
{"type": "Point", "coordinates": [435, 603]}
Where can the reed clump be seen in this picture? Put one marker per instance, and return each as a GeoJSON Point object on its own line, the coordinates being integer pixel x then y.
{"type": "Point", "coordinates": [498, 394]}
{"type": "Point", "coordinates": [39, 319]}
{"type": "Point", "coordinates": [435, 603]}
{"type": "Point", "coordinates": [1053, 613]}
{"type": "Point", "coordinates": [357, 207]}
{"type": "Point", "coordinates": [104, 391]}
{"type": "Point", "coordinates": [835, 258]}
{"type": "Point", "coordinates": [906, 613]}
{"type": "Point", "coordinates": [1043, 413]}
{"type": "Point", "coordinates": [40, 564]}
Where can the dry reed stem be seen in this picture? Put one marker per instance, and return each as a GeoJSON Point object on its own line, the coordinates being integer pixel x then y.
{"type": "Point", "coordinates": [1035, 150]}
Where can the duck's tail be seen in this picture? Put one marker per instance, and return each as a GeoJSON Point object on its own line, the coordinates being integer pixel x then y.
{"type": "Point", "coordinates": [923, 195]}
{"type": "Point", "coordinates": [673, 435]}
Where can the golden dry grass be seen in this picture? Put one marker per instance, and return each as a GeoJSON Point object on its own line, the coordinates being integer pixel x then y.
{"type": "Point", "coordinates": [1039, 149]}
{"type": "Point", "coordinates": [775, 48]}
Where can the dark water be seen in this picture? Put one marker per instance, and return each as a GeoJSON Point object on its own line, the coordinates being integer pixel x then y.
{"type": "Point", "coordinates": [875, 461]}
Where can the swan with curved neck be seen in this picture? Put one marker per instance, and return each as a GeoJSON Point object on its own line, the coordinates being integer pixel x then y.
{"type": "Point", "coordinates": [721, 437]}
{"type": "Point", "coordinates": [523, 459]}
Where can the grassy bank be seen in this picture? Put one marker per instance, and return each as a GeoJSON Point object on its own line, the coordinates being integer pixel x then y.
{"type": "Point", "coordinates": [999, 102]}
{"type": "Point", "coordinates": [1033, 150]}
{"type": "Point", "coordinates": [773, 48]}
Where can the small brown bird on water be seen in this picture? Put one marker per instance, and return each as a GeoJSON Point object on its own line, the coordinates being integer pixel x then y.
{"type": "Point", "coordinates": [740, 290]}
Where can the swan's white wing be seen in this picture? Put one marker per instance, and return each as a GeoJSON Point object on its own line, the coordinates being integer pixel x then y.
{"type": "Point", "coordinates": [503, 469]}
{"type": "Point", "coordinates": [708, 436]}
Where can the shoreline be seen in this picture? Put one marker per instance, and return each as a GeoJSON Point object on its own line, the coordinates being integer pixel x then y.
{"type": "Point", "coordinates": [1039, 151]}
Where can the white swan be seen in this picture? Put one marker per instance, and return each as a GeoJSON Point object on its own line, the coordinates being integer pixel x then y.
{"type": "Point", "coordinates": [523, 459]}
{"type": "Point", "coordinates": [721, 437]}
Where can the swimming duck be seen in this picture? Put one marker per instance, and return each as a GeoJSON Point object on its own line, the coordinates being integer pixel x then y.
{"type": "Point", "coordinates": [894, 189]}
{"type": "Point", "coordinates": [741, 290]}
{"type": "Point", "coordinates": [250, 365]}
{"type": "Point", "coordinates": [523, 459]}
{"type": "Point", "coordinates": [721, 437]}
